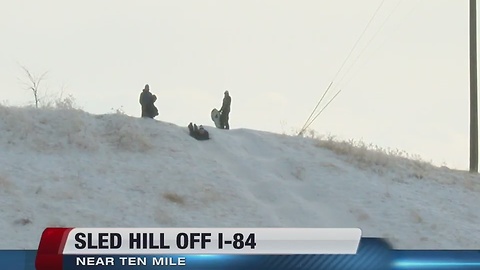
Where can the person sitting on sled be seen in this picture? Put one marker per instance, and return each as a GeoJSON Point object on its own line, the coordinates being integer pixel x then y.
{"type": "Point", "coordinates": [198, 133]}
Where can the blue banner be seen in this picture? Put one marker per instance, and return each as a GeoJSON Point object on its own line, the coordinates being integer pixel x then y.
{"type": "Point", "coordinates": [438, 259]}
{"type": "Point", "coordinates": [17, 259]}
{"type": "Point", "coordinates": [372, 254]}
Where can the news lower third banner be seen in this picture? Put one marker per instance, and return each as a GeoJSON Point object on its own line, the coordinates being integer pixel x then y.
{"type": "Point", "coordinates": [225, 248]}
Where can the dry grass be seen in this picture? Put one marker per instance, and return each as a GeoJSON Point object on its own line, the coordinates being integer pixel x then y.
{"type": "Point", "coordinates": [174, 197]}
{"type": "Point", "coordinates": [299, 172]}
{"type": "Point", "coordinates": [5, 183]}
{"type": "Point", "coordinates": [360, 214]}
{"type": "Point", "coordinates": [127, 135]}
{"type": "Point", "coordinates": [370, 156]}
{"type": "Point", "coordinates": [23, 221]}
{"type": "Point", "coordinates": [416, 217]}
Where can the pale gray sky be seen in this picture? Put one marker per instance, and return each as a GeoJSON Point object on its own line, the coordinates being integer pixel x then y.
{"type": "Point", "coordinates": [408, 90]}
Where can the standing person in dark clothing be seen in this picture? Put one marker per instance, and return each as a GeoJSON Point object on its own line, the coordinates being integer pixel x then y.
{"type": "Point", "coordinates": [225, 110]}
{"type": "Point", "coordinates": [147, 101]}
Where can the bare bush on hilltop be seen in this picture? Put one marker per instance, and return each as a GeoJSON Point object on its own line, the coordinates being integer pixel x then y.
{"type": "Point", "coordinates": [119, 110]}
{"type": "Point", "coordinates": [33, 82]}
{"type": "Point", "coordinates": [63, 103]}
{"type": "Point", "coordinates": [58, 101]}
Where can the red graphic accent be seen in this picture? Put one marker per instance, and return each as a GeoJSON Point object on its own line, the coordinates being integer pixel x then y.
{"type": "Point", "coordinates": [50, 249]}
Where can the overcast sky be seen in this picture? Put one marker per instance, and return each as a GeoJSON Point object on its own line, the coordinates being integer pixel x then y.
{"type": "Point", "coordinates": [405, 86]}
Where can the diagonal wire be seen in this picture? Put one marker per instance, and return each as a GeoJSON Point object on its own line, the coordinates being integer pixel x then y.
{"type": "Point", "coordinates": [371, 39]}
{"type": "Point", "coordinates": [359, 38]}
{"type": "Point", "coordinates": [318, 104]}
{"type": "Point", "coordinates": [341, 67]}
{"type": "Point", "coordinates": [318, 114]}
{"type": "Point", "coordinates": [384, 41]}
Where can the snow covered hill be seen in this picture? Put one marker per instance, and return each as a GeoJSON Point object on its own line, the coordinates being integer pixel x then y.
{"type": "Point", "coordinates": [65, 167]}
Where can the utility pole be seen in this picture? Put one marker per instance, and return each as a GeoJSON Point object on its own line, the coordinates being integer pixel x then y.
{"type": "Point", "coordinates": [473, 89]}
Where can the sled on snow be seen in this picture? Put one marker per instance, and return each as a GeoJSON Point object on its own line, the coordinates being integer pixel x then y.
{"type": "Point", "coordinates": [216, 118]}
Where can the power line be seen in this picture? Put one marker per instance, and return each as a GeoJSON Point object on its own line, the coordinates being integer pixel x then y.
{"type": "Point", "coordinates": [318, 104]}
{"type": "Point", "coordinates": [371, 39]}
{"type": "Point", "coordinates": [318, 114]}
{"type": "Point", "coordinates": [404, 18]}
{"type": "Point", "coordinates": [359, 38]}
{"type": "Point", "coordinates": [341, 67]}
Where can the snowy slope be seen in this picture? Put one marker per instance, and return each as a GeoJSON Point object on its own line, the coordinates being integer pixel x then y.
{"type": "Point", "coordinates": [69, 168]}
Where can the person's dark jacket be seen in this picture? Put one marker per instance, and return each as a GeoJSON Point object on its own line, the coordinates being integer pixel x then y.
{"type": "Point", "coordinates": [147, 101]}
{"type": "Point", "coordinates": [227, 100]}
{"type": "Point", "coordinates": [200, 134]}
